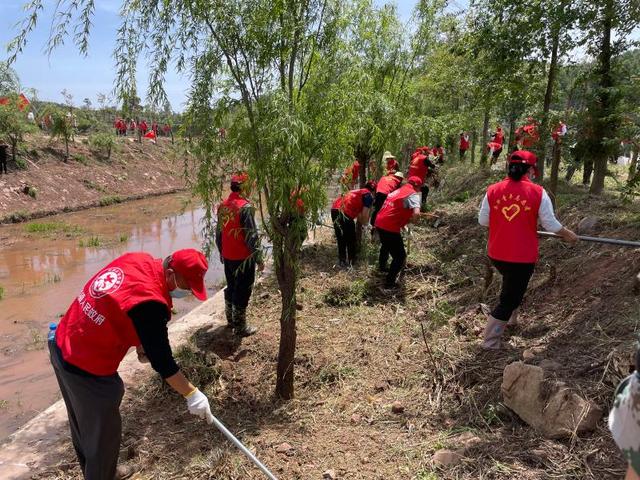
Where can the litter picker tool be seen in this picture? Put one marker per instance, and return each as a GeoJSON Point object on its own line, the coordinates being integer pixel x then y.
{"type": "Point", "coordinates": [218, 424]}
{"type": "Point", "coordinates": [610, 241]}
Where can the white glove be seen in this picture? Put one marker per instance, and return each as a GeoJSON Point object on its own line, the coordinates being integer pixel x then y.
{"type": "Point", "coordinates": [198, 404]}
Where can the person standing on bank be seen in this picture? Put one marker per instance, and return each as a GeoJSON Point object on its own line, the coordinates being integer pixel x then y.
{"type": "Point", "coordinates": [345, 210]}
{"type": "Point", "coordinates": [3, 157]}
{"type": "Point", "coordinates": [511, 209]}
{"type": "Point", "coordinates": [126, 304]}
{"type": "Point", "coordinates": [422, 168]}
{"type": "Point", "coordinates": [239, 246]}
{"type": "Point", "coordinates": [401, 207]}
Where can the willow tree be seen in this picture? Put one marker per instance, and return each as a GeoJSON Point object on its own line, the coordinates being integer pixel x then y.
{"type": "Point", "coordinates": [270, 72]}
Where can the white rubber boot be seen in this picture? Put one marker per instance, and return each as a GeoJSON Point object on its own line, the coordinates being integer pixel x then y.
{"type": "Point", "coordinates": [493, 334]}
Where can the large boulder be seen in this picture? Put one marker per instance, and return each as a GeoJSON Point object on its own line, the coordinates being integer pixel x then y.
{"type": "Point", "coordinates": [548, 406]}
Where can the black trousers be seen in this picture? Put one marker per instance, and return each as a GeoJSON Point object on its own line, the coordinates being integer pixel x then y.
{"type": "Point", "coordinates": [515, 280]}
{"type": "Point", "coordinates": [391, 243]}
{"type": "Point", "coordinates": [425, 193]}
{"type": "Point", "coordinates": [93, 407]}
{"type": "Point", "coordinates": [378, 201]}
{"type": "Point", "coordinates": [240, 276]}
{"type": "Point", "coordinates": [3, 163]}
{"type": "Point", "coordinates": [345, 230]}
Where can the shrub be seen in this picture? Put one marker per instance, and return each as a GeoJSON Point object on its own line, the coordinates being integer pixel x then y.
{"type": "Point", "coordinates": [103, 143]}
{"type": "Point", "coordinates": [110, 200]}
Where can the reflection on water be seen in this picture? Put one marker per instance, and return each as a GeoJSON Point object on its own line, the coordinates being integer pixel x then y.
{"type": "Point", "coordinates": [41, 275]}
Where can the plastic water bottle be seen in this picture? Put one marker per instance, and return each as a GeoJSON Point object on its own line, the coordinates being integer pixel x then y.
{"type": "Point", "coordinates": [52, 331]}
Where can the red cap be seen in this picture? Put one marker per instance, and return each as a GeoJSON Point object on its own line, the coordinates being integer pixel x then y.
{"type": "Point", "coordinates": [192, 265]}
{"type": "Point", "coordinates": [240, 177]}
{"type": "Point", "coordinates": [526, 157]}
{"type": "Point", "coordinates": [415, 181]}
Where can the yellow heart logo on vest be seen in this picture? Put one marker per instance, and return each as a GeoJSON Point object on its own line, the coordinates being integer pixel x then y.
{"type": "Point", "coordinates": [511, 211]}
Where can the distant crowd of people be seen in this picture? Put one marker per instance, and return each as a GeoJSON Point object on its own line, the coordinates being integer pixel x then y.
{"type": "Point", "coordinates": [131, 126]}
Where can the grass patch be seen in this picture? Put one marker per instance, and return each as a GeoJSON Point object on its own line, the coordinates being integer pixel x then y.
{"type": "Point", "coordinates": [332, 374]}
{"type": "Point", "coordinates": [1, 292]}
{"type": "Point", "coordinates": [45, 228]}
{"type": "Point", "coordinates": [92, 185]}
{"type": "Point", "coordinates": [90, 242]}
{"type": "Point", "coordinates": [110, 200]}
{"type": "Point", "coordinates": [78, 157]}
{"type": "Point", "coordinates": [123, 238]}
{"type": "Point", "coordinates": [345, 295]}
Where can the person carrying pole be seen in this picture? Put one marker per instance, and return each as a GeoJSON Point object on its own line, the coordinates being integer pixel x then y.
{"type": "Point", "coordinates": [126, 304]}
{"type": "Point", "coordinates": [239, 246]}
{"type": "Point", "coordinates": [401, 207]}
{"type": "Point", "coordinates": [511, 209]}
{"type": "Point", "coordinates": [353, 206]}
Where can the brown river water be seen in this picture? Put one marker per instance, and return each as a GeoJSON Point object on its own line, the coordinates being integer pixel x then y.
{"type": "Point", "coordinates": [41, 273]}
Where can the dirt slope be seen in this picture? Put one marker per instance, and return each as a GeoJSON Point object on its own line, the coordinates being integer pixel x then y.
{"type": "Point", "coordinates": [360, 350]}
{"type": "Point", "coordinates": [87, 179]}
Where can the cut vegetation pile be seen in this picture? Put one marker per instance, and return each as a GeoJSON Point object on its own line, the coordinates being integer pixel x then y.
{"type": "Point", "coordinates": [385, 381]}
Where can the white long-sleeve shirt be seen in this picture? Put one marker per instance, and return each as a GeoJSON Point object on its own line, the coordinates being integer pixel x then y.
{"type": "Point", "coordinates": [546, 217]}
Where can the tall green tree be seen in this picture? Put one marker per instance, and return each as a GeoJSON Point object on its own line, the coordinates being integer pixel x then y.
{"type": "Point", "coordinates": [275, 70]}
{"type": "Point", "coordinates": [13, 124]}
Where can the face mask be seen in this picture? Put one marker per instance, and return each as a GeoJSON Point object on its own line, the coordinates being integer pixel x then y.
{"type": "Point", "coordinates": [178, 293]}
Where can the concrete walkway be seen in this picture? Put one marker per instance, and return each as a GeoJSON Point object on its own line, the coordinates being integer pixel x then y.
{"type": "Point", "coordinates": [39, 443]}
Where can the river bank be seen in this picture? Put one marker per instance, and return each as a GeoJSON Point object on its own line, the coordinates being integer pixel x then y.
{"type": "Point", "coordinates": [50, 185]}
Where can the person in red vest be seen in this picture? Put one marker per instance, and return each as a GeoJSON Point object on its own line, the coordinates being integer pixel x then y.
{"type": "Point", "coordinates": [422, 168]}
{"type": "Point", "coordinates": [495, 145]}
{"type": "Point", "coordinates": [126, 304]}
{"type": "Point", "coordinates": [143, 127]}
{"type": "Point", "coordinates": [345, 210]}
{"type": "Point", "coordinates": [133, 126]}
{"type": "Point", "coordinates": [464, 144]}
{"type": "Point", "coordinates": [385, 186]}
{"type": "Point", "coordinates": [391, 164]}
{"type": "Point", "coordinates": [438, 153]}
{"type": "Point", "coordinates": [351, 175]}
{"type": "Point", "coordinates": [401, 207]}
{"type": "Point", "coordinates": [239, 246]}
{"type": "Point", "coordinates": [527, 136]}
{"type": "Point", "coordinates": [511, 209]}
{"type": "Point", "coordinates": [154, 128]}
{"type": "Point", "coordinates": [559, 132]}
{"type": "Point", "coordinates": [166, 129]}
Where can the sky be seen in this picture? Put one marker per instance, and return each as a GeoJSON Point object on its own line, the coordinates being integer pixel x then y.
{"type": "Point", "coordinates": [85, 77]}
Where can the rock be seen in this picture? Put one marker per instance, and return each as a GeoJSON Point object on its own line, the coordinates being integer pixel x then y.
{"type": "Point", "coordinates": [397, 407]}
{"type": "Point", "coordinates": [284, 448]}
{"type": "Point", "coordinates": [549, 407]}
{"type": "Point", "coordinates": [380, 386]}
{"type": "Point", "coordinates": [329, 474]}
{"type": "Point", "coordinates": [446, 458]}
{"type": "Point", "coordinates": [588, 225]}
{"type": "Point", "coordinates": [528, 354]}
{"type": "Point", "coordinates": [356, 418]}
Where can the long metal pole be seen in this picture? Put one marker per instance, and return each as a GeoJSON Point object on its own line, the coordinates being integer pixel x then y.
{"type": "Point", "coordinates": [611, 241]}
{"type": "Point", "coordinates": [218, 424]}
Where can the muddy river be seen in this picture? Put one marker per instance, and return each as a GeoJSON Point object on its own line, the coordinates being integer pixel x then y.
{"type": "Point", "coordinates": [43, 265]}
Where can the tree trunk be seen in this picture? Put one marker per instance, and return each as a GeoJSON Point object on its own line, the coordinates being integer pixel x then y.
{"type": "Point", "coordinates": [603, 110]}
{"type": "Point", "coordinates": [286, 272]}
{"type": "Point", "coordinates": [633, 164]}
{"type": "Point", "coordinates": [66, 148]}
{"type": "Point", "coordinates": [512, 132]}
{"type": "Point", "coordinates": [555, 167]}
{"type": "Point", "coordinates": [548, 96]}
{"type": "Point", "coordinates": [473, 145]}
{"type": "Point", "coordinates": [485, 138]}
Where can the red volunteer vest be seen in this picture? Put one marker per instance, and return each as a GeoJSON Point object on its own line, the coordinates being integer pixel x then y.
{"type": "Point", "coordinates": [417, 167]}
{"type": "Point", "coordinates": [234, 245]}
{"type": "Point", "coordinates": [388, 184]}
{"type": "Point", "coordinates": [464, 144]}
{"type": "Point", "coordinates": [96, 332]}
{"type": "Point", "coordinates": [337, 203]}
{"type": "Point", "coordinates": [393, 215]}
{"type": "Point", "coordinates": [352, 203]}
{"type": "Point", "coordinates": [513, 220]}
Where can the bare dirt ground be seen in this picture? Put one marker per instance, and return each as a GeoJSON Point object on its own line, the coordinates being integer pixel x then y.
{"type": "Point", "coordinates": [87, 179]}
{"type": "Point", "coordinates": [376, 395]}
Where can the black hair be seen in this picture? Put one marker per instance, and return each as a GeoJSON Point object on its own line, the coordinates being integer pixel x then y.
{"type": "Point", "coordinates": [518, 170]}
{"type": "Point", "coordinates": [235, 187]}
